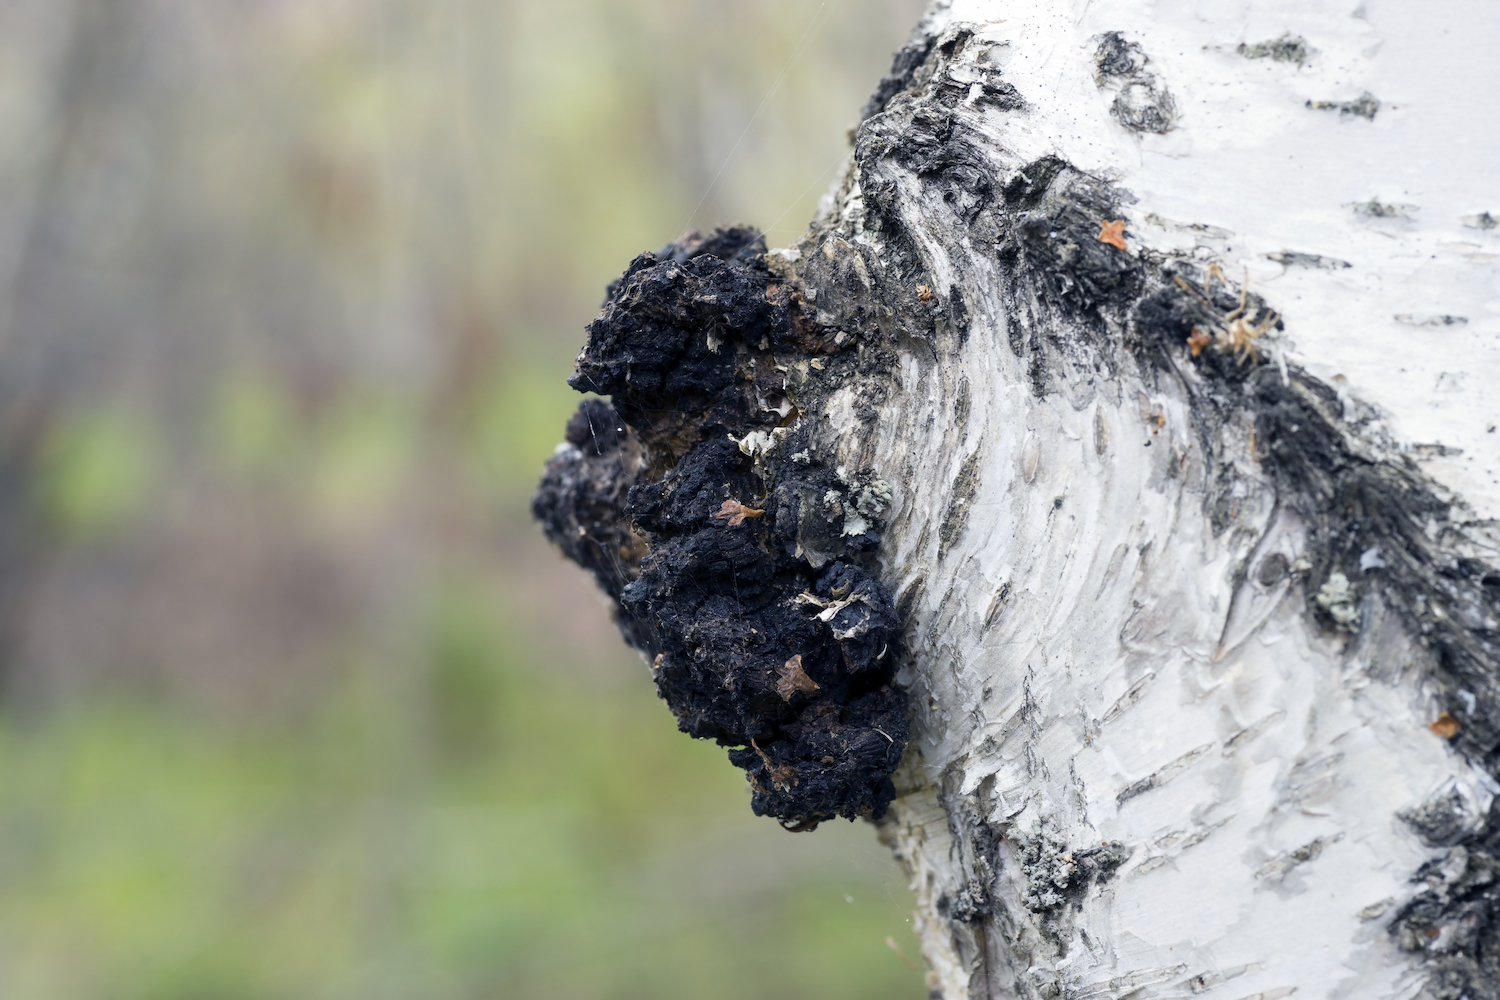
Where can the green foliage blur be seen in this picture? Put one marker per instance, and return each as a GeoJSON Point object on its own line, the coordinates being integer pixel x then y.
{"type": "Point", "coordinates": [295, 702]}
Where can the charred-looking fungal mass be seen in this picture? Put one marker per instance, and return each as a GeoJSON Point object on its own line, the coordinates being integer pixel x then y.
{"type": "Point", "coordinates": [741, 563]}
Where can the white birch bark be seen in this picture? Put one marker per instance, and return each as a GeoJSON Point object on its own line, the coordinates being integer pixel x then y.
{"type": "Point", "coordinates": [1156, 750]}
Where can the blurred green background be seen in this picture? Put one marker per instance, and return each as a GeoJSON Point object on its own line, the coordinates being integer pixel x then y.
{"type": "Point", "coordinates": [295, 702]}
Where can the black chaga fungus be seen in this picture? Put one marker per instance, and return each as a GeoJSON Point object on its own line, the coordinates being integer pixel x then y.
{"type": "Point", "coordinates": [744, 577]}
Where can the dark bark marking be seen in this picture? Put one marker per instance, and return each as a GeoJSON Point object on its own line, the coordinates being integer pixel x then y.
{"type": "Point", "coordinates": [1364, 106]}
{"type": "Point", "coordinates": [1142, 103]}
{"type": "Point", "coordinates": [1289, 48]}
{"type": "Point", "coordinates": [1295, 258]}
{"type": "Point", "coordinates": [965, 486]}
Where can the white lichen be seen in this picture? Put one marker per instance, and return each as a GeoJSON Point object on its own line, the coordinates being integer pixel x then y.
{"type": "Point", "coordinates": [868, 497]}
{"type": "Point", "coordinates": [1048, 866]}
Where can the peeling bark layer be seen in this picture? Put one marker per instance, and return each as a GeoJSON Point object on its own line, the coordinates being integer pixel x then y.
{"type": "Point", "coordinates": [1200, 651]}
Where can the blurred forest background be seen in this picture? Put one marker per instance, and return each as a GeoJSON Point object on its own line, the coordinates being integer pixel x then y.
{"type": "Point", "coordinates": [295, 702]}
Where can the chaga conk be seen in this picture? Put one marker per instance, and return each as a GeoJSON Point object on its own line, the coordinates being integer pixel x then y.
{"type": "Point", "coordinates": [740, 564]}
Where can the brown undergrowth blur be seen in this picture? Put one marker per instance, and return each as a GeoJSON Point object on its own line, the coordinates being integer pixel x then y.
{"type": "Point", "coordinates": [294, 700]}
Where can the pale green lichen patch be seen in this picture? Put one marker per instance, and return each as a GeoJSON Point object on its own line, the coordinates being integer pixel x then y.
{"type": "Point", "coordinates": [867, 498]}
{"type": "Point", "coordinates": [1337, 597]}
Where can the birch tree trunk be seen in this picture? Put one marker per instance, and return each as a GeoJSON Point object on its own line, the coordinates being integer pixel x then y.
{"type": "Point", "coordinates": [1152, 350]}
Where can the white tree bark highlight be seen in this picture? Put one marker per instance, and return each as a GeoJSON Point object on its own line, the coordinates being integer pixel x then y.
{"type": "Point", "coordinates": [1249, 170]}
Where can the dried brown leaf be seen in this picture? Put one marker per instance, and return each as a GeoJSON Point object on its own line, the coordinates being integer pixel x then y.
{"type": "Point", "coordinates": [792, 678]}
{"type": "Point", "coordinates": [735, 512]}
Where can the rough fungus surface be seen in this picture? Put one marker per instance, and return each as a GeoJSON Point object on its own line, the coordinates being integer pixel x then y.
{"type": "Point", "coordinates": [739, 562]}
